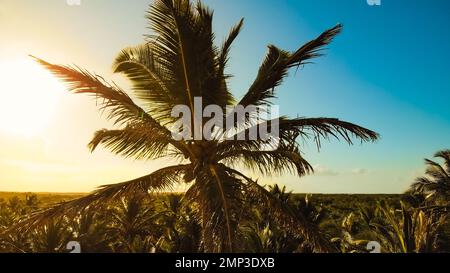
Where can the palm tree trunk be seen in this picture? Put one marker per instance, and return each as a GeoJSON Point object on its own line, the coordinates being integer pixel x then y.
{"type": "Point", "coordinates": [225, 206]}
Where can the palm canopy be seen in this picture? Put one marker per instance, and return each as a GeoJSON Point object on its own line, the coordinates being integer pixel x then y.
{"type": "Point", "coordinates": [436, 183]}
{"type": "Point", "coordinates": [178, 62]}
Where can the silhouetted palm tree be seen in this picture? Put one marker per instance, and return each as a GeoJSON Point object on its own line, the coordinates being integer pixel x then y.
{"type": "Point", "coordinates": [134, 223]}
{"type": "Point", "coordinates": [436, 184]}
{"type": "Point", "coordinates": [260, 229]}
{"type": "Point", "coordinates": [178, 62]}
{"type": "Point", "coordinates": [182, 229]}
{"type": "Point", "coordinates": [302, 211]}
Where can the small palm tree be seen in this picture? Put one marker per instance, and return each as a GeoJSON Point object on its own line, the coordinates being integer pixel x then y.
{"type": "Point", "coordinates": [346, 242]}
{"type": "Point", "coordinates": [407, 230]}
{"type": "Point", "coordinates": [260, 239]}
{"type": "Point", "coordinates": [90, 229]}
{"type": "Point", "coordinates": [51, 237]}
{"type": "Point", "coordinates": [10, 213]}
{"type": "Point", "coordinates": [32, 202]}
{"type": "Point", "coordinates": [260, 229]}
{"type": "Point", "coordinates": [264, 234]}
{"type": "Point", "coordinates": [134, 224]}
{"type": "Point", "coordinates": [178, 62]}
{"type": "Point", "coordinates": [182, 229]}
{"type": "Point", "coordinates": [436, 184]}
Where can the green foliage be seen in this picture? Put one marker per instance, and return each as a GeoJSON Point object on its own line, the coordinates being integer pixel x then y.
{"type": "Point", "coordinates": [167, 223]}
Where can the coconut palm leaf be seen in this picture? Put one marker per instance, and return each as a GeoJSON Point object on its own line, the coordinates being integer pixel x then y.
{"type": "Point", "coordinates": [136, 140]}
{"type": "Point", "coordinates": [161, 180]}
{"type": "Point", "coordinates": [184, 45]}
{"type": "Point", "coordinates": [286, 216]}
{"type": "Point", "coordinates": [225, 50]}
{"type": "Point", "coordinates": [149, 81]}
{"type": "Point", "coordinates": [122, 108]}
{"type": "Point", "coordinates": [277, 63]}
{"type": "Point", "coordinates": [269, 163]}
{"type": "Point", "coordinates": [306, 128]}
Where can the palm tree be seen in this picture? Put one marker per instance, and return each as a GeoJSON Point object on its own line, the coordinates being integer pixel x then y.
{"type": "Point", "coordinates": [407, 230]}
{"type": "Point", "coordinates": [90, 229]}
{"type": "Point", "coordinates": [264, 235]}
{"type": "Point", "coordinates": [436, 184]}
{"type": "Point", "coordinates": [134, 224]}
{"type": "Point", "coordinates": [182, 230]}
{"type": "Point", "coordinates": [11, 212]}
{"type": "Point", "coordinates": [180, 61]}
{"type": "Point", "coordinates": [260, 229]}
{"type": "Point", "coordinates": [346, 242]}
{"type": "Point", "coordinates": [51, 237]}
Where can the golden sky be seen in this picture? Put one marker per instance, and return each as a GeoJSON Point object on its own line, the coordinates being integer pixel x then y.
{"type": "Point", "coordinates": [44, 131]}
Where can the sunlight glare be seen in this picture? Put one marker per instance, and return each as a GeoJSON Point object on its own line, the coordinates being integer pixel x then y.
{"type": "Point", "coordinates": [28, 97]}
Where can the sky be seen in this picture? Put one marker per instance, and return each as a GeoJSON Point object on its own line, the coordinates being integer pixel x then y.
{"type": "Point", "coordinates": [387, 71]}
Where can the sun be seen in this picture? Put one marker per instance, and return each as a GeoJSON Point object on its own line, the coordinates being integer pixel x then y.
{"type": "Point", "coordinates": [29, 97]}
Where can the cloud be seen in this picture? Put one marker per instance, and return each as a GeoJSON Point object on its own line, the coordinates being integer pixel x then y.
{"type": "Point", "coordinates": [324, 171]}
{"type": "Point", "coordinates": [359, 171]}
{"type": "Point", "coordinates": [321, 170]}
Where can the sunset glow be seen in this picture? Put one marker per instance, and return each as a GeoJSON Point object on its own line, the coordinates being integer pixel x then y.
{"type": "Point", "coordinates": [28, 97]}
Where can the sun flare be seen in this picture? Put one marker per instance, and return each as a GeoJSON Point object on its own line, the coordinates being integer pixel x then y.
{"type": "Point", "coordinates": [28, 97]}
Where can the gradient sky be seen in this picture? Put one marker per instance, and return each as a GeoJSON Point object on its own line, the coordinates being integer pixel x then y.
{"type": "Point", "coordinates": [388, 71]}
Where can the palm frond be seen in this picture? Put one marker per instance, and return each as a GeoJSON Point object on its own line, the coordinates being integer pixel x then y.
{"type": "Point", "coordinates": [161, 180]}
{"type": "Point", "coordinates": [268, 163]}
{"type": "Point", "coordinates": [226, 97]}
{"type": "Point", "coordinates": [421, 184]}
{"type": "Point", "coordinates": [138, 141]}
{"type": "Point", "coordinates": [324, 128]}
{"type": "Point", "coordinates": [290, 129]}
{"type": "Point", "coordinates": [150, 80]}
{"type": "Point", "coordinates": [277, 63]}
{"type": "Point", "coordinates": [121, 107]}
{"type": "Point", "coordinates": [444, 154]}
{"type": "Point", "coordinates": [285, 215]}
{"type": "Point", "coordinates": [225, 50]}
{"type": "Point", "coordinates": [184, 45]}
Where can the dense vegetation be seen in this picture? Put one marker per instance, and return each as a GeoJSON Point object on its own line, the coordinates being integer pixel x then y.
{"type": "Point", "coordinates": [414, 222]}
{"type": "Point", "coordinates": [164, 223]}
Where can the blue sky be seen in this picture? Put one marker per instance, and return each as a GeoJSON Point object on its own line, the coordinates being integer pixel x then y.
{"type": "Point", "coordinates": [387, 71]}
